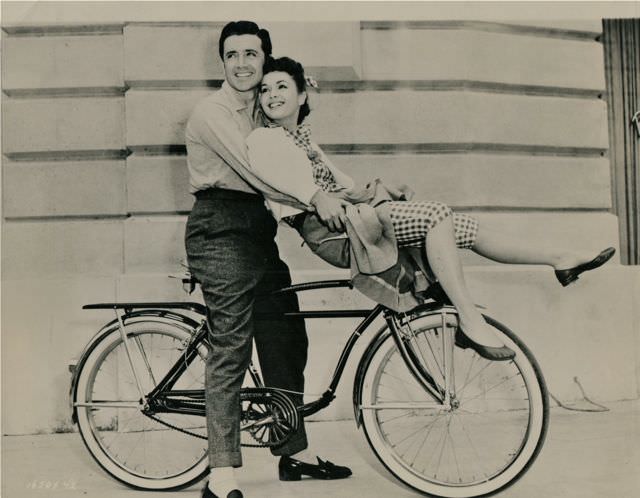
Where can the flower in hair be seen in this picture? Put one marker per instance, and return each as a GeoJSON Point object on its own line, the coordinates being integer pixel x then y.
{"type": "Point", "coordinates": [310, 80]}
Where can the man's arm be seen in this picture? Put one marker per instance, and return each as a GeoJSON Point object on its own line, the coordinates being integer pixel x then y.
{"type": "Point", "coordinates": [214, 126]}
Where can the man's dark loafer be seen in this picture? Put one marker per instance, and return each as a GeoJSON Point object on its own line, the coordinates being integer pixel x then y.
{"type": "Point", "coordinates": [488, 352]}
{"type": "Point", "coordinates": [207, 493]}
{"type": "Point", "coordinates": [565, 277]}
{"type": "Point", "coordinates": [291, 469]}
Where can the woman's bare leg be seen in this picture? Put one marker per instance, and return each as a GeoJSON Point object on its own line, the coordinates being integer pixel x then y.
{"type": "Point", "coordinates": [504, 248]}
{"type": "Point", "coordinates": [444, 260]}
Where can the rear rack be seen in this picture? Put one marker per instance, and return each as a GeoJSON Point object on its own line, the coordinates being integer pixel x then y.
{"type": "Point", "coordinates": [197, 307]}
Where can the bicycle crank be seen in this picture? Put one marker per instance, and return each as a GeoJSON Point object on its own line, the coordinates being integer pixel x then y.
{"type": "Point", "coordinates": [268, 415]}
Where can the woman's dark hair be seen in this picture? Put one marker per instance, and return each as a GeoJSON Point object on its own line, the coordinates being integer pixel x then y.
{"type": "Point", "coordinates": [245, 28]}
{"type": "Point", "coordinates": [296, 71]}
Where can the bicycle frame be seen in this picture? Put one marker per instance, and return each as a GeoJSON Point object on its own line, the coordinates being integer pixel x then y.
{"type": "Point", "coordinates": [162, 399]}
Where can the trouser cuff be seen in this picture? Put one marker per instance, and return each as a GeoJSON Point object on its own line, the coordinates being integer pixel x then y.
{"type": "Point", "coordinates": [225, 460]}
{"type": "Point", "coordinates": [298, 442]}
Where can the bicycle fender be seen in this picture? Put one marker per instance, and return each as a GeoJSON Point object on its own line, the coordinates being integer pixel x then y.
{"type": "Point", "coordinates": [162, 315]}
{"type": "Point", "coordinates": [373, 346]}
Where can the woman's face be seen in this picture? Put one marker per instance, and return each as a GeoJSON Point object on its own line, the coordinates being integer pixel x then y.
{"type": "Point", "coordinates": [280, 99]}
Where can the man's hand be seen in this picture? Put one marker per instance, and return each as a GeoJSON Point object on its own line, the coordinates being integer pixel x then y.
{"type": "Point", "coordinates": [330, 210]}
{"type": "Point", "coordinates": [400, 192]}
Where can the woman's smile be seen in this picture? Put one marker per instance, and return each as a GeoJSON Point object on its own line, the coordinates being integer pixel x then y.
{"type": "Point", "coordinates": [280, 99]}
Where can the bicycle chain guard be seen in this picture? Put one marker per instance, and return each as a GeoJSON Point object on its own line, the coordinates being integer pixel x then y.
{"type": "Point", "coordinates": [268, 415]}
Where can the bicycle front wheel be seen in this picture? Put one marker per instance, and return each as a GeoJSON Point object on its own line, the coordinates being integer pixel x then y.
{"type": "Point", "coordinates": [134, 448]}
{"type": "Point", "coordinates": [479, 440]}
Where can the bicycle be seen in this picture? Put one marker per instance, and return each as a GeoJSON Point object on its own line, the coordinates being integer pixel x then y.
{"type": "Point", "coordinates": [440, 418]}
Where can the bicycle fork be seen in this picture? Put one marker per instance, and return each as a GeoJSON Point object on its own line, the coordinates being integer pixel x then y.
{"type": "Point", "coordinates": [404, 335]}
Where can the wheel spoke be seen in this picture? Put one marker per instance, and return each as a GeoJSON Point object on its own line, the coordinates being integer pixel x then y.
{"type": "Point", "coordinates": [433, 354]}
{"type": "Point", "coordinates": [441, 443]}
{"type": "Point", "coordinates": [468, 443]}
{"type": "Point", "coordinates": [424, 440]}
{"type": "Point", "coordinates": [146, 359]}
{"type": "Point", "coordinates": [482, 369]}
{"type": "Point", "coordinates": [479, 458]}
{"type": "Point", "coordinates": [490, 389]}
{"type": "Point", "coordinates": [127, 443]}
{"type": "Point", "coordinates": [411, 434]}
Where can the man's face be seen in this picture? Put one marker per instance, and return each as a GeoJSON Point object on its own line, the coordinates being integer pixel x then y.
{"type": "Point", "coordinates": [243, 59]}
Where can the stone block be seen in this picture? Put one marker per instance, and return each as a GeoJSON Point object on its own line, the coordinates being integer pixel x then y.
{"type": "Point", "coordinates": [449, 117]}
{"type": "Point", "coordinates": [189, 51]}
{"type": "Point", "coordinates": [62, 62]}
{"type": "Point", "coordinates": [498, 181]}
{"type": "Point", "coordinates": [172, 52]}
{"type": "Point", "coordinates": [154, 244]}
{"type": "Point", "coordinates": [327, 50]}
{"type": "Point", "coordinates": [375, 117]}
{"type": "Point", "coordinates": [63, 124]}
{"type": "Point", "coordinates": [456, 54]}
{"type": "Point", "coordinates": [584, 331]}
{"type": "Point", "coordinates": [159, 117]}
{"type": "Point", "coordinates": [594, 24]}
{"type": "Point", "coordinates": [139, 287]}
{"type": "Point", "coordinates": [43, 329]}
{"type": "Point", "coordinates": [590, 231]}
{"type": "Point", "coordinates": [158, 184]}
{"type": "Point", "coordinates": [65, 247]}
{"type": "Point", "coordinates": [34, 189]}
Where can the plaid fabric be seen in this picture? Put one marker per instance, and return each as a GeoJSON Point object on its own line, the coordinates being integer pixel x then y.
{"type": "Point", "coordinates": [322, 175]}
{"type": "Point", "coordinates": [412, 221]}
{"type": "Point", "coordinates": [466, 230]}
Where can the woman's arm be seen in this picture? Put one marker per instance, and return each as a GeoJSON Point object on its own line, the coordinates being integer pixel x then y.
{"type": "Point", "coordinates": [341, 177]}
{"type": "Point", "coordinates": [281, 164]}
{"type": "Point", "coordinates": [277, 162]}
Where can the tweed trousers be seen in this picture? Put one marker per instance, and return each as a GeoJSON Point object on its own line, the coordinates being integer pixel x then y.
{"type": "Point", "coordinates": [232, 254]}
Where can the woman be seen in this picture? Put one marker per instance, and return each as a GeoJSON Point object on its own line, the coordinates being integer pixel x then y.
{"type": "Point", "coordinates": [284, 156]}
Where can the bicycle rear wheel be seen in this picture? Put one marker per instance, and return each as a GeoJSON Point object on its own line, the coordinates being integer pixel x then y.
{"type": "Point", "coordinates": [481, 440]}
{"type": "Point", "coordinates": [132, 447]}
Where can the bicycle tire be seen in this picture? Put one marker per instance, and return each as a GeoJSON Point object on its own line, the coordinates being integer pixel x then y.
{"type": "Point", "coordinates": [128, 445]}
{"type": "Point", "coordinates": [520, 419]}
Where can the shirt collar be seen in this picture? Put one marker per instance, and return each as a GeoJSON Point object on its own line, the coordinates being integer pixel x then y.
{"type": "Point", "coordinates": [303, 129]}
{"type": "Point", "coordinates": [237, 104]}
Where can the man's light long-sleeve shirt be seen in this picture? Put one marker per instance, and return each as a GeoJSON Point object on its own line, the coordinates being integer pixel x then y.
{"type": "Point", "coordinates": [217, 155]}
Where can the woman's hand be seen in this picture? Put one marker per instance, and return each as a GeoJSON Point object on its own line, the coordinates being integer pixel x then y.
{"type": "Point", "coordinates": [331, 210]}
{"type": "Point", "coordinates": [400, 192]}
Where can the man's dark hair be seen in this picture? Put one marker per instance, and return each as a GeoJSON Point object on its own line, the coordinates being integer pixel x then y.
{"type": "Point", "coordinates": [245, 28]}
{"type": "Point", "coordinates": [296, 71]}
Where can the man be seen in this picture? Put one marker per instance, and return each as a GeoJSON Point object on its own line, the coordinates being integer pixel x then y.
{"type": "Point", "coordinates": [232, 253]}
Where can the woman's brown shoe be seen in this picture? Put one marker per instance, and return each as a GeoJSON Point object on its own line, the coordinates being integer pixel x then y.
{"type": "Point", "coordinates": [488, 352]}
{"type": "Point", "coordinates": [291, 469]}
{"type": "Point", "coordinates": [565, 277]}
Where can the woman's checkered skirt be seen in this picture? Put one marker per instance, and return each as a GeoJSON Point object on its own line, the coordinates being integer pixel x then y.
{"type": "Point", "coordinates": [412, 220]}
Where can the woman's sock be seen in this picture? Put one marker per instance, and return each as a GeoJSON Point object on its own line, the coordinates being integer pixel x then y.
{"type": "Point", "coordinates": [222, 480]}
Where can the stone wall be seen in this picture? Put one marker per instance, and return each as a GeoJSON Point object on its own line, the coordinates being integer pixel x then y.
{"type": "Point", "coordinates": [506, 120]}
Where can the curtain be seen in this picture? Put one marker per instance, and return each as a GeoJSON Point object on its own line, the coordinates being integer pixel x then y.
{"type": "Point", "coordinates": [621, 39]}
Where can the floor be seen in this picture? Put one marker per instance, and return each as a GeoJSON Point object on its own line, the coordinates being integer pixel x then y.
{"type": "Point", "coordinates": [585, 455]}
